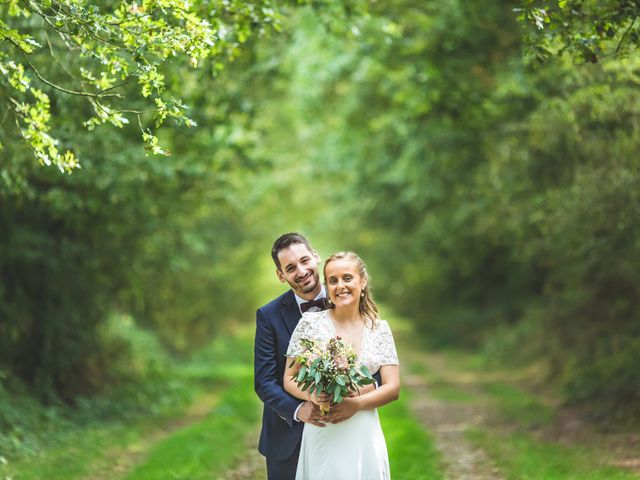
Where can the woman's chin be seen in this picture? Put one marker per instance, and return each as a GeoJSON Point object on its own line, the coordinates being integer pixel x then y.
{"type": "Point", "coordinates": [345, 303]}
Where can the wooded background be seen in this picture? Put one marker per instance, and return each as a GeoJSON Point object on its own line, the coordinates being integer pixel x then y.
{"type": "Point", "coordinates": [481, 156]}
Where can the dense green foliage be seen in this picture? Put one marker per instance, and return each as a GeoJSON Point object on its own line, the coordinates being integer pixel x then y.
{"type": "Point", "coordinates": [131, 233]}
{"type": "Point", "coordinates": [587, 30]}
{"type": "Point", "coordinates": [100, 51]}
{"type": "Point", "coordinates": [160, 238]}
{"type": "Point", "coordinates": [494, 198]}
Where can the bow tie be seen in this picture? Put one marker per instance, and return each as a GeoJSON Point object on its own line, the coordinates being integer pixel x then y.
{"type": "Point", "coordinates": [314, 305]}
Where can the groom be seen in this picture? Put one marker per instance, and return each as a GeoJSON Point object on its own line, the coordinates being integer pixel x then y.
{"type": "Point", "coordinates": [283, 415]}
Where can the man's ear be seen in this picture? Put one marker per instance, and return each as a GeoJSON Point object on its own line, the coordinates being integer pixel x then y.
{"type": "Point", "coordinates": [280, 275]}
{"type": "Point", "coordinates": [315, 253]}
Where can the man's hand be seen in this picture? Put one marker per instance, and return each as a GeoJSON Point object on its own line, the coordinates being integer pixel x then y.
{"type": "Point", "coordinates": [343, 410]}
{"type": "Point", "coordinates": [364, 389]}
{"type": "Point", "coordinates": [309, 412]}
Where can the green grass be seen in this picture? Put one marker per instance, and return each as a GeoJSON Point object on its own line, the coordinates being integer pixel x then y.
{"type": "Point", "coordinates": [412, 454]}
{"type": "Point", "coordinates": [519, 406]}
{"type": "Point", "coordinates": [518, 454]}
{"type": "Point", "coordinates": [65, 462]}
{"type": "Point", "coordinates": [450, 393]}
{"type": "Point", "coordinates": [207, 448]}
{"type": "Point", "coordinates": [83, 440]}
{"type": "Point", "coordinates": [521, 457]}
{"type": "Point", "coordinates": [65, 450]}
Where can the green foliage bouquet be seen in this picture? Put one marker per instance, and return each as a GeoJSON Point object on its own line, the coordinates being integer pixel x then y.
{"type": "Point", "coordinates": [331, 369]}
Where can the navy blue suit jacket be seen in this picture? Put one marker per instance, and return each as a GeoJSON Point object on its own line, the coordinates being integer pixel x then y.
{"type": "Point", "coordinates": [275, 323]}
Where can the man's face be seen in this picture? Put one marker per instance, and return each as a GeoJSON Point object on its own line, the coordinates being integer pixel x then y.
{"type": "Point", "coordinates": [299, 268]}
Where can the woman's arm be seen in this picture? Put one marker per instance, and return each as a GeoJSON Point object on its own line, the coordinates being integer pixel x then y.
{"type": "Point", "coordinates": [385, 393]}
{"type": "Point", "coordinates": [290, 385]}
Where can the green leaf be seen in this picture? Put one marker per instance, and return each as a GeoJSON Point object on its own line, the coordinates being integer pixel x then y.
{"type": "Point", "coordinates": [337, 395]}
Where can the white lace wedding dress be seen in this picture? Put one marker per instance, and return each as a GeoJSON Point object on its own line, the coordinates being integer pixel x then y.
{"type": "Point", "coordinates": [354, 449]}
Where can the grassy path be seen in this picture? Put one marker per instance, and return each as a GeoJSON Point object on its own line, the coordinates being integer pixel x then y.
{"type": "Point", "coordinates": [449, 422]}
{"type": "Point", "coordinates": [491, 422]}
{"type": "Point", "coordinates": [117, 462]}
{"type": "Point", "coordinates": [455, 419]}
{"type": "Point", "coordinates": [446, 419]}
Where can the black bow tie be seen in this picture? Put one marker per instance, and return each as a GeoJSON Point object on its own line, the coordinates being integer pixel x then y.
{"type": "Point", "coordinates": [319, 304]}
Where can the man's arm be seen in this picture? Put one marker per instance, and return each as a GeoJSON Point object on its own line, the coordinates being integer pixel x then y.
{"type": "Point", "coordinates": [266, 379]}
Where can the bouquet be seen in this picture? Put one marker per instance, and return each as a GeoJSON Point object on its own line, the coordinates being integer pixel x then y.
{"type": "Point", "coordinates": [332, 370]}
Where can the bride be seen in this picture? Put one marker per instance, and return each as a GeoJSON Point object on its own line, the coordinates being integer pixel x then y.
{"type": "Point", "coordinates": [353, 446]}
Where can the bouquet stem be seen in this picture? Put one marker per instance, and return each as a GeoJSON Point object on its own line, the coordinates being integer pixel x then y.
{"type": "Point", "coordinates": [324, 407]}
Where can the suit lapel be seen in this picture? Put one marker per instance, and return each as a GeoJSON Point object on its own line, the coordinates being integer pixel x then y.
{"type": "Point", "coordinates": [290, 312]}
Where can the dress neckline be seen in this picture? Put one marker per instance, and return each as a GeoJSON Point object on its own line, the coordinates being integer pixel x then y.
{"type": "Point", "coordinates": [335, 334]}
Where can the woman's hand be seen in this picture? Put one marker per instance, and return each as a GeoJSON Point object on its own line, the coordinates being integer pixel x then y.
{"type": "Point", "coordinates": [323, 400]}
{"type": "Point", "coordinates": [320, 398]}
{"type": "Point", "coordinates": [343, 410]}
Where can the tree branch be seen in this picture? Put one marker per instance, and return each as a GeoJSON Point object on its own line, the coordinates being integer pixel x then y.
{"type": "Point", "coordinates": [58, 87]}
{"type": "Point", "coordinates": [625, 34]}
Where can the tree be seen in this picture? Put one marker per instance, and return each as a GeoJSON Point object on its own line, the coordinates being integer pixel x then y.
{"type": "Point", "coordinates": [114, 57]}
{"type": "Point", "coordinates": [492, 199]}
{"type": "Point", "coordinates": [587, 30]}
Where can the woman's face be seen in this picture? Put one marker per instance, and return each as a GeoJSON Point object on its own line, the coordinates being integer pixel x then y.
{"type": "Point", "coordinates": [344, 283]}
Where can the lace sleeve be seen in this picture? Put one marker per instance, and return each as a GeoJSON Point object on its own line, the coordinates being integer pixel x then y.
{"type": "Point", "coordinates": [386, 347]}
{"type": "Point", "coordinates": [306, 328]}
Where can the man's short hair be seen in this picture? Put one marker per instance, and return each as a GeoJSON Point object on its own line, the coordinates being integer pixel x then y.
{"type": "Point", "coordinates": [285, 241]}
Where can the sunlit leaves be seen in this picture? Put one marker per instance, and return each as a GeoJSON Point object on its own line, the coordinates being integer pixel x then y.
{"type": "Point", "coordinates": [172, 108]}
{"type": "Point", "coordinates": [100, 51]}
{"type": "Point", "coordinates": [586, 30]}
{"type": "Point", "coordinates": [150, 80]}
{"type": "Point", "coordinates": [14, 72]}
{"type": "Point", "coordinates": [152, 144]}
{"type": "Point", "coordinates": [34, 119]}
{"type": "Point", "coordinates": [105, 114]}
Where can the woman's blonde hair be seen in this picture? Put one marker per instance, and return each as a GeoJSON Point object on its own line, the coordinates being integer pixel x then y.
{"type": "Point", "coordinates": [367, 307]}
